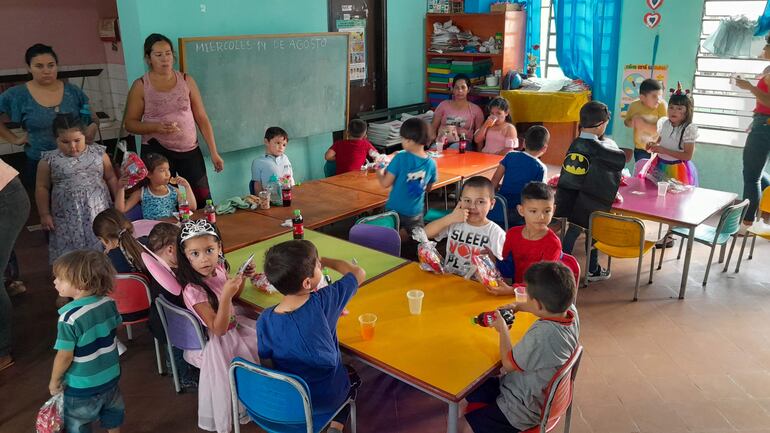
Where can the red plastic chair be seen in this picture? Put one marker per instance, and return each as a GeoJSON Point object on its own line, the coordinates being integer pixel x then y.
{"type": "Point", "coordinates": [131, 293]}
{"type": "Point", "coordinates": [558, 396]}
{"type": "Point", "coordinates": [572, 263]}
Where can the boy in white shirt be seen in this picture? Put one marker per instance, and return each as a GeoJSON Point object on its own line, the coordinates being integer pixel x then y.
{"type": "Point", "coordinates": [467, 228]}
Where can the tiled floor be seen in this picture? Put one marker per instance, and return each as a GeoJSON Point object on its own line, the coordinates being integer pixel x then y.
{"type": "Point", "coordinates": [657, 365]}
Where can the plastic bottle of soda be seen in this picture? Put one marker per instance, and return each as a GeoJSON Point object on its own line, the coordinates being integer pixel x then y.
{"type": "Point", "coordinates": [463, 143]}
{"type": "Point", "coordinates": [286, 194]}
{"type": "Point", "coordinates": [184, 207]}
{"type": "Point", "coordinates": [327, 277]}
{"type": "Point", "coordinates": [210, 211]}
{"type": "Point", "coordinates": [486, 318]}
{"type": "Point", "coordinates": [297, 222]}
{"type": "Point", "coordinates": [274, 186]}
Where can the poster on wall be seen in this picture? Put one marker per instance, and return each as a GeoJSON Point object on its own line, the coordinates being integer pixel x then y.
{"type": "Point", "coordinates": [357, 30]}
{"type": "Point", "coordinates": [633, 75]}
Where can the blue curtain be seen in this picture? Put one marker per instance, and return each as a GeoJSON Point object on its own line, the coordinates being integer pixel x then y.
{"type": "Point", "coordinates": [587, 43]}
{"type": "Point", "coordinates": [763, 22]}
{"type": "Point", "coordinates": [533, 33]}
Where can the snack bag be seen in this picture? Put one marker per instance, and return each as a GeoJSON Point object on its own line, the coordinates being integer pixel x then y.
{"type": "Point", "coordinates": [486, 270]}
{"type": "Point", "coordinates": [132, 165]}
{"type": "Point", "coordinates": [430, 258]}
{"type": "Point", "coordinates": [49, 418]}
{"type": "Point", "coordinates": [260, 283]}
{"type": "Point", "coordinates": [553, 181]}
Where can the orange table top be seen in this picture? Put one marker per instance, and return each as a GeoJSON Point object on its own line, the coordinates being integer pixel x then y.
{"type": "Point", "coordinates": [323, 203]}
{"type": "Point", "coordinates": [467, 164]}
{"type": "Point", "coordinates": [368, 182]}
{"type": "Point", "coordinates": [440, 349]}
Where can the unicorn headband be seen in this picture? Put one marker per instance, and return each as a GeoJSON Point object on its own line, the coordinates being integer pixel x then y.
{"type": "Point", "coordinates": [678, 91]}
{"type": "Point", "coordinates": [192, 229]}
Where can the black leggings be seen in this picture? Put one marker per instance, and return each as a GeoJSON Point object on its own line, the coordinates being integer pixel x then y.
{"type": "Point", "coordinates": [188, 164]}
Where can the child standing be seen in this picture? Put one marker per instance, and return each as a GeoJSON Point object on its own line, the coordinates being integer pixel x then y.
{"type": "Point", "coordinates": [208, 292]}
{"type": "Point", "coordinates": [117, 235]}
{"type": "Point", "coordinates": [411, 173]}
{"type": "Point", "coordinates": [533, 242]}
{"type": "Point", "coordinates": [274, 163]}
{"type": "Point", "coordinates": [467, 229]}
{"type": "Point", "coordinates": [299, 335]}
{"type": "Point", "coordinates": [351, 154]}
{"type": "Point", "coordinates": [159, 199]}
{"type": "Point", "coordinates": [86, 366]}
{"type": "Point", "coordinates": [643, 115]}
{"type": "Point", "coordinates": [675, 145]}
{"type": "Point", "coordinates": [73, 185]}
{"type": "Point", "coordinates": [519, 168]}
{"type": "Point", "coordinates": [514, 402]}
{"type": "Point", "coordinates": [497, 135]}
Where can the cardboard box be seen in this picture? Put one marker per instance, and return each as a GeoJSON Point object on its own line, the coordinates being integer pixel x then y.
{"type": "Point", "coordinates": [504, 7]}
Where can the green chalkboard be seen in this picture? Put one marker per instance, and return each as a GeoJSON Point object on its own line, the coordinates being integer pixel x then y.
{"type": "Point", "coordinates": [249, 83]}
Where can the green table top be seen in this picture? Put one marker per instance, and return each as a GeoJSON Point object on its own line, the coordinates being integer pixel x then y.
{"type": "Point", "coordinates": [374, 262]}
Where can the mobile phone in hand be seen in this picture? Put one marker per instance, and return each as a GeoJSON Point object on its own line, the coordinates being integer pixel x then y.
{"type": "Point", "coordinates": [246, 264]}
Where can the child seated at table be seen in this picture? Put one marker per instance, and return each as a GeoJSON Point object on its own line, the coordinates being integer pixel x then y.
{"type": "Point", "coordinates": [351, 154]}
{"type": "Point", "coordinates": [467, 228]}
{"type": "Point", "coordinates": [411, 173]}
{"type": "Point", "coordinates": [531, 243]}
{"type": "Point", "coordinates": [274, 163]}
{"type": "Point", "coordinates": [497, 135]}
{"type": "Point", "coordinates": [519, 168]}
{"type": "Point", "coordinates": [299, 335]}
{"type": "Point", "coordinates": [513, 402]}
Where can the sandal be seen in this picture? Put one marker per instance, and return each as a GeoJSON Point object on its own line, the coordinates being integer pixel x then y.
{"type": "Point", "coordinates": [6, 362]}
{"type": "Point", "coordinates": [16, 288]}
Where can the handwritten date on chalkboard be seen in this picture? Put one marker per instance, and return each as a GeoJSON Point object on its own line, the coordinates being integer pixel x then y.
{"type": "Point", "coordinates": [260, 45]}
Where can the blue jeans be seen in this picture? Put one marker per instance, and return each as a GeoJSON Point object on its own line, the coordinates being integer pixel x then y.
{"type": "Point", "coordinates": [641, 154]}
{"type": "Point", "coordinates": [755, 154]}
{"type": "Point", "coordinates": [14, 210]}
{"type": "Point", "coordinates": [106, 407]}
{"type": "Point", "coordinates": [568, 244]}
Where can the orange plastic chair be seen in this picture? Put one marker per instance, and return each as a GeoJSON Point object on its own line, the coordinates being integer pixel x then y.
{"type": "Point", "coordinates": [131, 293]}
{"type": "Point", "coordinates": [558, 394]}
{"type": "Point", "coordinates": [620, 237]}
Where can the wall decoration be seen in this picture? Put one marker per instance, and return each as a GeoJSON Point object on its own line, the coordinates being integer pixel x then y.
{"type": "Point", "coordinates": [654, 4]}
{"type": "Point", "coordinates": [652, 19]}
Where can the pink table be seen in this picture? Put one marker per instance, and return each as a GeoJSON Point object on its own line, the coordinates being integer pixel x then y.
{"type": "Point", "coordinates": [686, 209]}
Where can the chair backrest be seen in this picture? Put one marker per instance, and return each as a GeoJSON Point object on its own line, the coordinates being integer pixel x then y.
{"type": "Point", "coordinates": [572, 263]}
{"type": "Point", "coordinates": [499, 213]}
{"type": "Point", "coordinates": [330, 168]}
{"type": "Point", "coordinates": [764, 204]}
{"type": "Point", "coordinates": [378, 238]}
{"type": "Point", "coordinates": [385, 219]}
{"type": "Point", "coordinates": [730, 221]}
{"type": "Point", "coordinates": [131, 293]}
{"type": "Point", "coordinates": [559, 392]}
{"type": "Point", "coordinates": [182, 328]}
{"type": "Point", "coordinates": [135, 213]}
{"type": "Point", "coordinates": [143, 227]}
{"type": "Point", "coordinates": [616, 230]}
{"type": "Point", "coordinates": [272, 399]}
{"type": "Point", "coordinates": [639, 165]}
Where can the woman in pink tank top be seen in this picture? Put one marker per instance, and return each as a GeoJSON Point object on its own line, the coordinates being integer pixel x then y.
{"type": "Point", "coordinates": [164, 107]}
{"type": "Point", "coordinates": [457, 116]}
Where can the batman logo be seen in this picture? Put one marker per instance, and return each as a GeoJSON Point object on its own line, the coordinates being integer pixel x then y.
{"type": "Point", "coordinates": [576, 164]}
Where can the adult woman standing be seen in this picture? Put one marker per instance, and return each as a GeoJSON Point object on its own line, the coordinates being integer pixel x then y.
{"type": "Point", "coordinates": [14, 210]}
{"type": "Point", "coordinates": [457, 116]}
{"type": "Point", "coordinates": [35, 103]}
{"type": "Point", "coordinates": [757, 148]}
{"type": "Point", "coordinates": [164, 106]}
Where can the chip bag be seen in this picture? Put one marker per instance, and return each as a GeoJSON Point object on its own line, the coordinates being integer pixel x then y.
{"type": "Point", "coordinates": [486, 270]}
{"type": "Point", "coordinates": [132, 166]}
{"type": "Point", "coordinates": [261, 283]}
{"type": "Point", "coordinates": [428, 255]}
{"type": "Point", "coordinates": [49, 418]}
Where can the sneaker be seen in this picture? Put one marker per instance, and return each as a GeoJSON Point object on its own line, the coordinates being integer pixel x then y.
{"type": "Point", "coordinates": [601, 274]}
{"type": "Point", "coordinates": [121, 347]}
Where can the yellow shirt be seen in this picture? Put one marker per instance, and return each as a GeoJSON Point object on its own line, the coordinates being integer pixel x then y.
{"type": "Point", "coordinates": [651, 115]}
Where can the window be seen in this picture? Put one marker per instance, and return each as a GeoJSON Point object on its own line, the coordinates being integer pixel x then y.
{"type": "Point", "coordinates": [549, 66]}
{"type": "Point", "coordinates": [722, 111]}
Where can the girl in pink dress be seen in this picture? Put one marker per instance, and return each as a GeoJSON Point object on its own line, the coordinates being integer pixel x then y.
{"type": "Point", "coordinates": [497, 135]}
{"type": "Point", "coordinates": [208, 292]}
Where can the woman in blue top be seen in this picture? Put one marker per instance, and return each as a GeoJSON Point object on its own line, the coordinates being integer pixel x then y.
{"type": "Point", "coordinates": [34, 105]}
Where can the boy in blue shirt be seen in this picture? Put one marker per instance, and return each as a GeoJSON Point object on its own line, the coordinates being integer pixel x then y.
{"type": "Point", "coordinates": [299, 335]}
{"type": "Point", "coordinates": [273, 163]}
{"type": "Point", "coordinates": [520, 168]}
{"type": "Point", "coordinates": [411, 173]}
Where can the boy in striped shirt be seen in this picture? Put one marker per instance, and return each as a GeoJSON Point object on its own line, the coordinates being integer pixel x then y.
{"type": "Point", "coordinates": [86, 366]}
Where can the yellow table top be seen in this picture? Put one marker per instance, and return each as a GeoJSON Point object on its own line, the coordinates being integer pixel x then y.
{"type": "Point", "coordinates": [533, 106]}
{"type": "Point", "coordinates": [441, 349]}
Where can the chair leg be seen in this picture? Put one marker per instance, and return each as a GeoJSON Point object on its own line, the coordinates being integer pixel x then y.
{"type": "Point", "coordinates": [730, 254]}
{"type": "Point", "coordinates": [158, 357]}
{"type": "Point", "coordinates": [588, 263]}
{"type": "Point", "coordinates": [708, 264]}
{"type": "Point", "coordinates": [353, 416]}
{"type": "Point", "coordinates": [128, 331]}
{"type": "Point", "coordinates": [175, 374]}
{"type": "Point", "coordinates": [638, 276]}
{"type": "Point", "coordinates": [679, 255]}
{"type": "Point", "coordinates": [753, 242]}
{"type": "Point", "coordinates": [740, 256]}
{"type": "Point", "coordinates": [568, 419]}
{"type": "Point", "coordinates": [722, 252]}
{"type": "Point", "coordinates": [609, 263]}
{"type": "Point", "coordinates": [652, 264]}
{"type": "Point", "coordinates": [660, 262]}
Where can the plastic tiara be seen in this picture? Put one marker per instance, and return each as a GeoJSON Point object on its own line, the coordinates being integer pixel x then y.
{"type": "Point", "coordinates": [678, 91]}
{"type": "Point", "coordinates": [197, 228]}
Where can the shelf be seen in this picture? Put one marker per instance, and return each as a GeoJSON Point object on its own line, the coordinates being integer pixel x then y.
{"type": "Point", "coordinates": [475, 15]}
{"type": "Point", "coordinates": [463, 55]}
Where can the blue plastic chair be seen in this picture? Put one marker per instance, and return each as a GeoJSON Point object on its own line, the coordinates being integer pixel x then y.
{"type": "Point", "coordinates": [183, 331]}
{"type": "Point", "coordinates": [135, 213]}
{"type": "Point", "coordinates": [384, 239]}
{"type": "Point", "coordinates": [434, 214]}
{"type": "Point", "coordinates": [330, 168]}
{"type": "Point", "coordinates": [386, 219]}
{"type": "Point", "coordinates": [499, 213]}
{"type": "Point", "coordinates": [277, 402]}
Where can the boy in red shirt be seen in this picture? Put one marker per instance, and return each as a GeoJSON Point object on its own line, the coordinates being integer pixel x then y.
{"type": "Point", "coordinates": [534, 241]}
{"type": "Point", "coordinates": [351, 154]}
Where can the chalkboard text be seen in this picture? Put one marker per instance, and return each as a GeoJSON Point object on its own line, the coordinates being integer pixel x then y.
{"type": "Point", "coordinates": [260, 45]}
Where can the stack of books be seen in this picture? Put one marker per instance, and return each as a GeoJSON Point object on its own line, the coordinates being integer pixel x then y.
{"type": "Point", "coordinates": [471, 67]}
{"type": "Point", "coordinates": [384, 134]}
{"type": "Point", "coordinates": [442, 70]}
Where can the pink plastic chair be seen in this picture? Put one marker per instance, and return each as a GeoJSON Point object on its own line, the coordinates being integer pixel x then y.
{"type": "Point", "coordinates": [558, 393]}
{"type": "Point", "coordinates": [131, 293]}
{"type": "Point", "coordinates": [143, 227]}
{"type": "Point", "coordinates": [572, 263]}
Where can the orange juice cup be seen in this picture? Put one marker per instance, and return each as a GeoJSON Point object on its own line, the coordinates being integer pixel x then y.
{"type": "Point", "coordinates": [367, 321]}
{"type": "Point", "coordinates": [521, 294]}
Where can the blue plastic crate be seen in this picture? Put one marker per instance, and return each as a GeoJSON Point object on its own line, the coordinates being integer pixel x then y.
{"type": "Point", "coordinates": [478, 6]}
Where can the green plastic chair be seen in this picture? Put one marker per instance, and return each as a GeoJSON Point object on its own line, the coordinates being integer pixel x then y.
{"type": "Point", "coordinates": [728, 226]}
{"type": "Point", "coordinates": [434, 214]}
{"type": "Point", "coordinates": [330, 168]}
{"type": "Point", "coordinates": [386, 219]}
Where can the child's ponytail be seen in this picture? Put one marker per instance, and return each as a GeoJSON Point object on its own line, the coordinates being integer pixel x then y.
{"type": "Point", "coordinates": [112, 224]}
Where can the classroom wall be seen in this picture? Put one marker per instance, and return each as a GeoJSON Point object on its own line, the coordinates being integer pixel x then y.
{"type": "Point", "coordinates": [406, 52]}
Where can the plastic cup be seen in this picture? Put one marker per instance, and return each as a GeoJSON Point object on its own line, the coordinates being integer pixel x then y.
{"type": "Point", "coordinates": [415, 301]}
{"type": "Point", "coordinates": [662, 188]}
{"type": "Point", "coordinates": [367, 321]}
{"type": "Point", "coordinates": [521, 294]}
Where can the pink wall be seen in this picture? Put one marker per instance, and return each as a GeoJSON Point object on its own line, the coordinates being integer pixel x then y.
{"type": "Point", "coordinates": [70, 27]}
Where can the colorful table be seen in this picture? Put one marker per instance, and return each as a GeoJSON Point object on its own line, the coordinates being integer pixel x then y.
{"type": "Point", "coordinates": [686, 209]}
{"type": "Point", "coordinates": [467, 164]}
{"type": "Point", "coordinates": [374, 262]}
{"type": "Point", "coordinates": [440, 352]}
{"type": "Point", "coordinates": [244, 228]}
{"type": "Point", "coordinates": [323, 203]}
{"type": "Point", "coordinates": [368, 182]}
